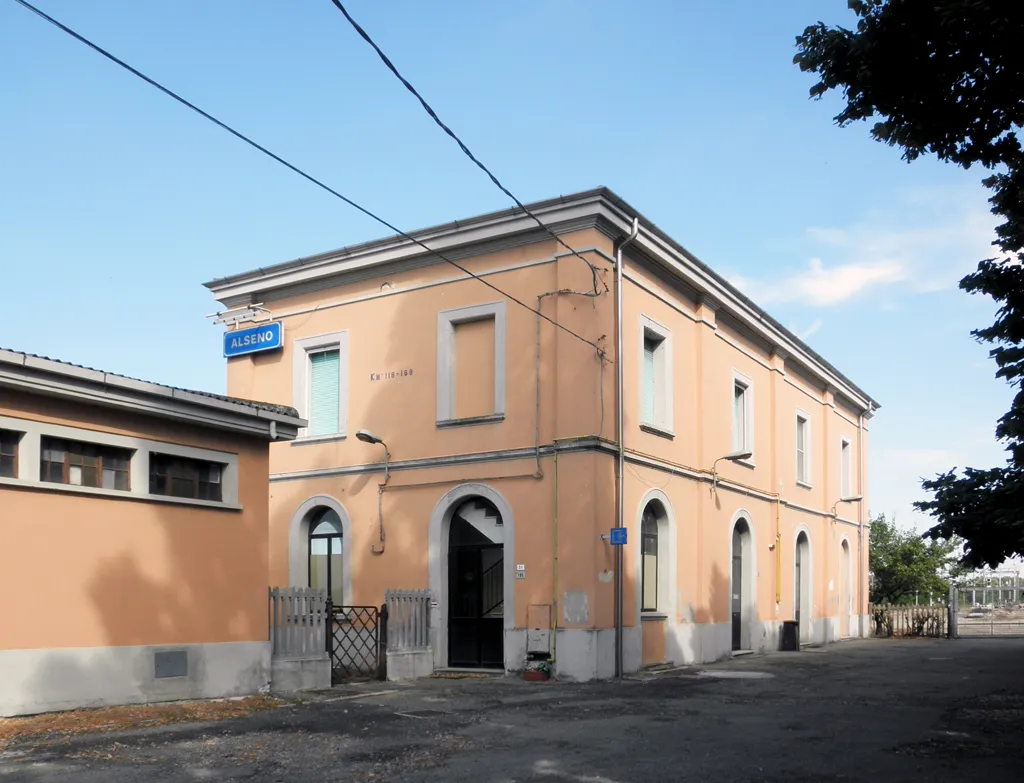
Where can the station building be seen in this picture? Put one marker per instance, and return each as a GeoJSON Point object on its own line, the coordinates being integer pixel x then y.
{"type": "Point", "coordinates": [743, 460]}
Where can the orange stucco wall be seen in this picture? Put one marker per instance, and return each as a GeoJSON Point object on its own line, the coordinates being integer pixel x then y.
{"type": "Point", "coordinates": [85, 571]}
{"type": "Point", "coordinates": [392, 326]}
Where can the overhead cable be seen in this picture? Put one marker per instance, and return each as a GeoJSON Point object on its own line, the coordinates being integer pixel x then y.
{"type": "Point", "coordinates": [462, 145]}
{"type": "Point", "coordinates": [170, 93]}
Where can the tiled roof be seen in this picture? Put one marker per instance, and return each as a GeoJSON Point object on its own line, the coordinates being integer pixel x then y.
{"type": "Point", "coordinates": [280, 410]}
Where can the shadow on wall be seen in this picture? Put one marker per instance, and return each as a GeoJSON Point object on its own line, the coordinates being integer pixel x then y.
{"type": "Point", "coordinates": [704, 629]}
{"type": "Point", "coordinates": [401, 410]}
{"type": "Point", "coordinates": [165, 577]}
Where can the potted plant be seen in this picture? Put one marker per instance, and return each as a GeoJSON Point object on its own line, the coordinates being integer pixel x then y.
{"type": "Point", "coordinates": [537, 671]}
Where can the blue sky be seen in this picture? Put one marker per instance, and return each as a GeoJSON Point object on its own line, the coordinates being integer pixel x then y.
{"type": "Point", "coordinates": [118, 203]}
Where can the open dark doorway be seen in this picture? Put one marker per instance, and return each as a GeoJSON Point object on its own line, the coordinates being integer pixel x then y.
{"type": "Point", "coordinates": [737, 588]}
{"type": "Point", "coordinates": [742, 586]}
{"type": "Point", "coordinates": [476, 587]}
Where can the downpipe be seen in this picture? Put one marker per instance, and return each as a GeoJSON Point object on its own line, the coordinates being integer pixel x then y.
{"type": "Point", "coordinates": [860, 525]}
{"type": "Point", "coordinates": [621, 471]}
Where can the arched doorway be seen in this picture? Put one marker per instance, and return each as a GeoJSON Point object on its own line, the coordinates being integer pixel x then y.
{"type": "Point", "coordinates": [742, 586]}
{"type": "Point", "coordinates": [319, 548]}
{"type": "Point", "coordinates": [655, 550]}
{"type": "Point", "coordinates": [476, 586]}
{"type": "Point", "coordinates": [802, 587]}
{"type": "Point", "coordinates": [326, 569]}
{"type": "Point", "coordinates": [845, 591]}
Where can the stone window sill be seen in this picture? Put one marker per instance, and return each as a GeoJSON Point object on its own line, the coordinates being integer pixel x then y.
{"type": "Point", "coordinates": [146, 497]}
{"type": "Point", "coordinates": [470, 421]}
{"type": "Point", "coordinates": [305, 441]}
{"type": "Point", "coordinates": [661, 433]}
{"type": "Point", "coordinates": [649, 616]}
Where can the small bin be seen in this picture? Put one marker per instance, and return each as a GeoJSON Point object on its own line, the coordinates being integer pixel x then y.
{"type": "Point", "coordinates": [790, 636]}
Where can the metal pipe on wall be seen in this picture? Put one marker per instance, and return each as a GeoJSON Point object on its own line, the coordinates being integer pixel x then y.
{"type": "Point", "coordinates": [620, 505]}
{"type": "Point", "coordinates": [860, 523]}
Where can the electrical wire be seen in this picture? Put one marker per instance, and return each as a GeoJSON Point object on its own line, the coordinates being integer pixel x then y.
{"type": "Point", "coordinates": [170, 93]}
{"type": "Point", "coordinates": [433, 115]}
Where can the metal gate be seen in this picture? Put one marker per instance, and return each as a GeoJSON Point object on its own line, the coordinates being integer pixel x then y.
{"type": "Point", "coordinates": [992, 604]}
{"type": "Point", "coordinates": [356, 642]}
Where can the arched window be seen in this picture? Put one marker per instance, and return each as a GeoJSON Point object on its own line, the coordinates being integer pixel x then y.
{"type": "Point", "coordinates": [325, 570]}
{"type": "Point", "coordinates": [649, 558]}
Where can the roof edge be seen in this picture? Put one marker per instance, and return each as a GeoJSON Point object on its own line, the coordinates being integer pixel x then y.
{"type": "Point", "coordinates": [40, 375]}
{"type": "Point", "coordinates": [746, 309]}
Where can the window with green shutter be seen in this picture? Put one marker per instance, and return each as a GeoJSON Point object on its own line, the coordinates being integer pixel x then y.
{"type": "Point", "coordinates": [324, 392]}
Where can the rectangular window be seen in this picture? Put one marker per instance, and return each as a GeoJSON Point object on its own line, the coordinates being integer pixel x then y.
{"type": "Point", "coordinates": [473, 392]}
{"type": "Point", "coordinates": [9, 453]}
{"type": "Point", "coordinates": [84, 464]}
{"type": "Point", "coordinates": [803, 448]}
{"type": "Point", "coordinates": [742, 414]}
{"type": "Point", "coordinates": [320, 384]}
{"type": "Point", "coordinates": [181, 477]}
{"type": "Point", "coordinates": [655, 376]}
{"type": "Point", "coordinates": [845, 466]}
{"type": "Point", "coordinates": [471, 364]}
{"type": "Point", "coordinates": [324, 392]}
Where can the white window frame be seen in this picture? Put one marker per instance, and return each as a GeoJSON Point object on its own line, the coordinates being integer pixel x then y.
{"type": "Point", "coordinates": [30, 449]}
{"type": "Point", "coordinates": [805, 480]}
{"type": "Point", "coordinates": [667, 563]}
{"type": "Point", "coordinates": [845, 471]}
{"type": "Point", "coordinates": [663, 375]}
{"type": "Point", "coordinates": [447, 320]}
{"type": "Point", "coordinates": [746, 438]}
{"type": "Point", "coordinates": [301, 350]}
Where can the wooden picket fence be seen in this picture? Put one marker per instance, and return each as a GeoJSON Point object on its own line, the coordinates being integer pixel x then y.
{"type": "Point", "coordinates": [928, 621]}
{"type": "Point", "coordinates": [408, 618]}
{"type": "Point", "coordinates": [298, 621]}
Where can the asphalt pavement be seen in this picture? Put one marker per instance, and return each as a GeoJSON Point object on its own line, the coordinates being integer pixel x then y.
{"type": "Point", "coordinates": [858, 711]}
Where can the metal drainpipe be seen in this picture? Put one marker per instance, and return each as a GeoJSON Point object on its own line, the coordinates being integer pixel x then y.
{"type": "Point", "coordinates": [620, 511]}
{"type": "Point", "coordinates": [860, 522]}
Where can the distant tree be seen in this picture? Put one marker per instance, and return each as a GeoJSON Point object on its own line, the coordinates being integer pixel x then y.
{"type": "Point", "coordinates": [903, 564]}
{"type": "Point", "coordinates": [946, 77]}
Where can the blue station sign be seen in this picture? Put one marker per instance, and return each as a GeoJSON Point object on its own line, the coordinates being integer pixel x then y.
{"type": "Point", "coordinates": [256, 339]}
{"type": "Point", "coordinates": [618, 536]}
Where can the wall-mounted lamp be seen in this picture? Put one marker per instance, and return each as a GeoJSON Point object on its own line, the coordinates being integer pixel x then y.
{"type": "Point", "coordinates": [239, 315]}
{"type": "Point", "coordinates": [851, 499]}
{"type": "Point", "coordinates": [736, 456]}
{"type": "Point", "coordinates": [368, 437]}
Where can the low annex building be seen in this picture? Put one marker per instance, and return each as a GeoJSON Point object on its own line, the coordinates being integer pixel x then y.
{"type": "Point", "coordinates": [133, 538]}
{"type": "Point", "coordinates": [742, 480]}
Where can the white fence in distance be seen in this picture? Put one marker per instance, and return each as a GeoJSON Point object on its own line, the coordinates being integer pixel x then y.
{"type": "Point", "coordinates": [298, 622]}
{"type": "Point", "coordinates": [408, 619]}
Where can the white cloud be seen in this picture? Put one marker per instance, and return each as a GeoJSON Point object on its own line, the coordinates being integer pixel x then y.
{"type": "Point", "coordinates": [803, 334]}
{"type": "Point", "coordinates": [922, 242]}
{"type": "Point", "coordinates": [819, 286]}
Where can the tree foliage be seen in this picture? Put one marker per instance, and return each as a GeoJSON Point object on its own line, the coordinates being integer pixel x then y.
{"type": "Point", "coordinates": [903, 564]}
{"type": "Point", "coordinates": [946, 78]}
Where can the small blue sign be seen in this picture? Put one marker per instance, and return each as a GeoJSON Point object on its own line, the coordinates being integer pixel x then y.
{"type": "Point", "coordinates": [618, 536]}
{"type": "Point", "coordinates": [266, 337]}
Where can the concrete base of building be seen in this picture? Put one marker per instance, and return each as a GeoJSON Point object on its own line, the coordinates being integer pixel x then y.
{"type": "Point", "coordinates": [34, 681]}
{"type": "Point", "coordinates": [696, 643]}
{"type": "Point", "coordinates": [583, 654]}
{"type": "Point", "coordinates": [589, 653]}
{"type": "Point", "coordinates": [515, 649]}
{"type": "Point", "coordinates": [410, 664]}
{"type": "Point", "coordinates": [292, 675]}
